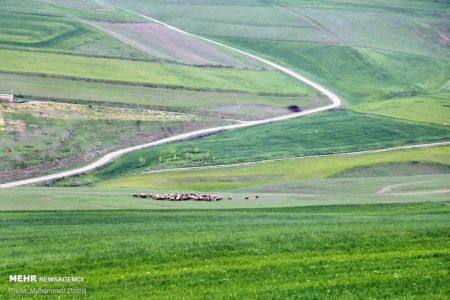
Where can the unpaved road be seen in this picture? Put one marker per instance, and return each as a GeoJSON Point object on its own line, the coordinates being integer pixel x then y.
{"type": "Point", "coordinates": [303, 157]}
{"type": "Point", "coordinates": [335, 102]}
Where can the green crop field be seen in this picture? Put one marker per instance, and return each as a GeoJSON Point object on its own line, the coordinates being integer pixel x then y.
{"type": "Point", "coordinates": [288, 192]}
{"type": "Point", "coordinates": [301, 217]}
{"type": "Point", "coordinates": [369, 80]}
{"type": "Point", "coordinates": [232, 105]}
{"type": "Point", "coordinates": [390, 25]}
{"type": "Point", "coordinates": [315, 252]}
{"type": "Point", "coordinates": [92, 10]}
{"type": "Point", "coordinates": [286, 170]}
{"type": "Point", "coordinates": [146, 72]}
{"type": "Point", "coordinates": [330, 132]}
{"type": "Point", "coordinates": [396, 56]}
{"type": "Point", "coordinates": [58, 34]}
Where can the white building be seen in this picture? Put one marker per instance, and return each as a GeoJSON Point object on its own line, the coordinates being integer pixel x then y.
{"type": "Point", "coordinates": [6, 98]}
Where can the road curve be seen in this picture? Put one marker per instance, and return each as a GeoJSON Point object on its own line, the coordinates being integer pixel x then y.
{"type": "Point", "coordinates": [335, 102]}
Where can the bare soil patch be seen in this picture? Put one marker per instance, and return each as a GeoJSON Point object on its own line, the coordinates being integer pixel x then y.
{"type": "Point", "coordinates": [162, 42]}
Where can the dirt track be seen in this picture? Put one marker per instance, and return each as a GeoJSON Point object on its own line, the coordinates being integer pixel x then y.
{"type": "Point", "coordinates": [335, 102]}
{"type": "Point", "coordinates": [303, 157]}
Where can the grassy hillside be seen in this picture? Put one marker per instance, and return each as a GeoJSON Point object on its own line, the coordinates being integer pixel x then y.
{"type": "Point", "coordinates": [43, 137]}
{"type": "Point", "coordinates": [146, 72]}
{"type": "Point", "coordinates": [430, 107]}
{"type": "Point", "coordinates": [392, 52]}
{"type": "Point", "coordinates": [282, 171]}
{"type": "Point", "coordinates": [417, 27]}
{"type": "Point", "coordinates": [230, 105]}
{"type": "Point", "coordinates": [93, 10]}
{"type": "Point", "coordinates": [59, 34]}
{"type": "Point", "coordinates": [295, 252]}
{"type": "Point", "coordinates": [369, 80]}
{"type": "Point", "coordinates": [330, 132]}
{"type": "Point", "coordinates": [288, 193]}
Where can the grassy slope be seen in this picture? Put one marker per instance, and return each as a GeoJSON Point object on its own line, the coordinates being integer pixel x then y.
{"type": "Point", "coordinates": [45, 137]}
{"type": "Point", "coordinates": [397, 51]}
{"type": "Point", "coordinates": [157, 73]}
{"type": "Point", "coordinates": [59, 34]}
{"type": "Point", "coordinates": [157, 98]}
{"type": "Point", "coordinates": [385, 25]}
{"type": "Point", "coordinates": [288, 193]}
{"type": "Point", "coordinates": [74, 8]}
{"type": "Point", "coordinates": [365, 76]}
{"type": "Point", "coordinates": [388, 250]}
{"type": "Point", "coordinates": [330, 132]}
{"type": "Point", "coordinates": [432, 107]}
{"type": "Point", "coordinates": [280, 171]}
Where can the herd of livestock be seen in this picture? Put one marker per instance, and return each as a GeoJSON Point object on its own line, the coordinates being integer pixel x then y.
{"type": "Point", "coordinates": [181, 197]}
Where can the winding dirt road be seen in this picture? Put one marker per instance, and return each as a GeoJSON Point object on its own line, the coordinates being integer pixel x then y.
{"type": "Point", "coordinates": [249, 163]}
{"type": "Point", "coordinates": [335, 102]}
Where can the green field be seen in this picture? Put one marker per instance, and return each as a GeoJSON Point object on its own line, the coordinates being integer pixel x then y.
{"type": "Point", "coordinates": [369, 80]}
{"type": "Point", "coordinates": [400, 26]}
{"type": "Point", "coordinates": [58, 34]}
{"type": "Point", "coordinates": [330, 132]}
{"type": "Point", "coordinates": [396, 56]}
{"type": "Point", "coordinates": [388, 250]}
{"type": "Point", "coordinates": [292, 191]}
{"type": "Point", "coordinates": [92, 10]}
{"type": "Point", "coordinates": [338, 226]}
{"type": "Point", "coordinates": [40, 138]}
{"type": "Point", "coordinates": [281, 171]}
{"type": "Point", "coordinates": [232, 105]}
{"type": "Point", "coordinates": [433, 107]}
{"type": "Point", "coordinates": [146, 72]}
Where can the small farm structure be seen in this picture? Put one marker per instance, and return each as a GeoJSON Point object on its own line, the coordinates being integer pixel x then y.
{"type": "Point", "coordinates": [6, 98]}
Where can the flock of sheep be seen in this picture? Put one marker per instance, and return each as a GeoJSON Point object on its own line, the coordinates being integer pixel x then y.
{"type": "Point", "coordinates": [181, 197]}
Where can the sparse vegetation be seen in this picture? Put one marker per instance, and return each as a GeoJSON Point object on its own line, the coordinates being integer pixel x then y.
{"type": "Point", "coordinates": [330, 132]}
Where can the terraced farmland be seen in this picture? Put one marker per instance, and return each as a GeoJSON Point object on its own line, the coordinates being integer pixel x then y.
{"type": "Point", "coordinates": [157, 74]}
{"type": "Point", "coordinates": [287, 170]}
{"type": "Point", "coordinates": [91, 77]}
{"type": "Point", "coordinates": [41, 137]}
{"type": "Point", "coordinates": [330, 132]}
{"type": "Point", "coordinates": [234, 105]}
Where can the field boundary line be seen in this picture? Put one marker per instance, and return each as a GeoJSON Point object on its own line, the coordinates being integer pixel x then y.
{"type": "Point", "coordinates": [336, 102]}
{"type": "Point", "coordinates": [249, 163]}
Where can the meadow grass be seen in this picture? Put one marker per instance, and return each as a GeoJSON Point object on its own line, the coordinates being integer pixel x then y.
{"type": "Point", "coordinates": [92, 10]}
{"type": "Point", "coordinates": [17, 29]}
{"type": "Point", "coordinates": [329, 132]}
{"type": "Point", "coordinates": [59, 34]}
{"type": "Point", "coordinates": [433, 107]}
{"type": "Point", "coordinates": [147, 72]}
{"type": "Point", "coordinates": [273, 172]}
{"type": "Point", "coordinates": [362, 251]}
{"type": "Point", "coordinates": [44, 137]}
{"type": "Point", "coordinates": [238, 105]}
{"type": "Point", "coordinates": [369, 80]}
{"type": "Point", "coordinates": [394, 25]}
{"type": "Point", "coordinates": [290, 192]}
